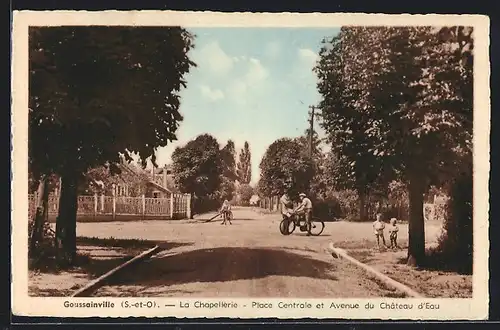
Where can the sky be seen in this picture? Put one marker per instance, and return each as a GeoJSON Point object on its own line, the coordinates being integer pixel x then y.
{"type": "Point", "coordinates": [250, 84]}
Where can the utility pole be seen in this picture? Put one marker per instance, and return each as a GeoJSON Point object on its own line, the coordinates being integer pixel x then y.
{"type": "Point", "coordinates": [311, 130]}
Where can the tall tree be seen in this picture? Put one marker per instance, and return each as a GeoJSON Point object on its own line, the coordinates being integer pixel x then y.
{"type": "Point", "coordinates": [228, 154]}
{"type": "Point", "coordinates": [285, 167]}
{"type": "Point", "coordinates": [228, 187]}
{"type": "Point", "coordinates": [198, 168]}
{"type": "Point", "coordinates": [397, 102]}
{"type": "Point", "coordinates": [244, 170]}
{"type": "Point", "coordinates": [343, 111]}
{"type": "Point", "coordinates": [96, 92]}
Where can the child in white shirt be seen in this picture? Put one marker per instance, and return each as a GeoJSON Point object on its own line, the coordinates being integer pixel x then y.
{"type": "Point", "coordinates": [378, 229]}
{"type": "Point", "coordinates": [393, 233]}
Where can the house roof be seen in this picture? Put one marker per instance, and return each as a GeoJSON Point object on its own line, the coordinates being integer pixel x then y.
{"type": "Point", "coordinates": [160, 170]}
{"type": "Point", "coordinates": [150, 181]}
{"type": "Point", "coordinates": [171, 184]}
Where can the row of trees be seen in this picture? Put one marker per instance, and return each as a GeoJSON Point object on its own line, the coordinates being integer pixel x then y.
{"type": "Point", "coordinates": [96, 93]}
{"type": "Point", "coordinates": [397, 109]}
{"type": "Point", "coordinates": [210, 173]}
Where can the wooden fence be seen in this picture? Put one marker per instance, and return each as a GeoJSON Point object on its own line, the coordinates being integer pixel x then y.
{"type": "Point", "coordinates": [177, 206]}
{"type": "Point", "coordinates": [270, 203]}
{"type": "Point", "coordinates": [432, 211]}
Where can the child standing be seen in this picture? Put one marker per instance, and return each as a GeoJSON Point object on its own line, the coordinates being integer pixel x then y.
{"type": "Point", "coordinates": [378, 227]}
{"type": "Point", "coordinates": [225, 211]}
{"type": "Point", "coordinates": [393, 233]}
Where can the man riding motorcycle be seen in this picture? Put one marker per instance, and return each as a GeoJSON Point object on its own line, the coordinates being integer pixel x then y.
{"type": "Point", "coordinates": [305, 208]}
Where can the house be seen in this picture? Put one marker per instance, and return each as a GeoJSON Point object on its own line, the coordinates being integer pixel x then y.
{"type": "Point", "coordinates": [133, 181]}
{"type": "Point", "coordinates": [159, 183]}
{"type": "Point", "coordinates": [163, 178]}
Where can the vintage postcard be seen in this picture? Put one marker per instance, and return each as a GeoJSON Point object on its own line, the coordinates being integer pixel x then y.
{"type": "Point", "coordinates": [244, 165]}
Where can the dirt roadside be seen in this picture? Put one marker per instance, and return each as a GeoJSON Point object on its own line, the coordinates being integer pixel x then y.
{"type": "Point", "coordinates": [250, 258]}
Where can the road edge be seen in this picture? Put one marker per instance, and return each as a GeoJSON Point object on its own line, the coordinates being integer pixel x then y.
{"type": "Point", "coordinates": [384, 278]}
{"type": "Point", "coordinates": [98, 282]}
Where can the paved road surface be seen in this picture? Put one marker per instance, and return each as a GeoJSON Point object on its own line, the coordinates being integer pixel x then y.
{"type": "Point", "coordinates": [249, 258]}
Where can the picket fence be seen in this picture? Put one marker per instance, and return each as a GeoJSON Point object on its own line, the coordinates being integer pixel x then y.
{"type": "Point", "coordinates": [177, 206]}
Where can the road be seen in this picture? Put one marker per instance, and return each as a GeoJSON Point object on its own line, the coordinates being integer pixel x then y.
{"type": "Point", "coordinates": [249, 258]}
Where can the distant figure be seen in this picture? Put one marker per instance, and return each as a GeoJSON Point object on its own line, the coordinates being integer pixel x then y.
{"type": "Point", "coordinates": [378, 227]}
{"type": "Point", "coordinates": [393, 233]}
{"type": "Point", "coordinates": [225, 210]}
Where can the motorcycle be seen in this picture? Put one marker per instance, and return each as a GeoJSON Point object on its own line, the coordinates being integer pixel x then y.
{"type": "Point", "coordinates": [288, 225]}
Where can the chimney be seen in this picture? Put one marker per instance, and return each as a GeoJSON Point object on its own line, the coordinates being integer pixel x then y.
{"type": "Point", "coordinates": [165, 177]}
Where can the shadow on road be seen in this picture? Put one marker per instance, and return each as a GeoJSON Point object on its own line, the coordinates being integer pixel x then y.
{"type": "Point", "coordinates": [126, 243]}
{"type": "Point", "coordinates": [224, 264]}
{"type": "Point", "coordinates": [98, 256]}
{"type": "Point", "coordinates": [311, 236]}
{"type": "Point", "coordinates": [133, 291]}
{"type": "Point", "coordinates": [207, 220]}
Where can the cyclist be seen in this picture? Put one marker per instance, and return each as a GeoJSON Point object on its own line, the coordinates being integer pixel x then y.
{"type": "Point", "coordinates": [305, 208]}
{"type": "Point", "coordinates": [225, 209]}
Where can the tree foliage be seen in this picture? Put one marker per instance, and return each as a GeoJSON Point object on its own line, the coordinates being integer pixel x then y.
{"type": "Point", "coordinates": [285, 167]}
{"type": "Point", "coordinates": [245, 193]}
{"type": "Point", "coordinates": [96, 92]}
{"type": "Point", "coordinates": [198, 166]}
{"type": "Point", "coordinates": [397, 103]}
{"type": "Point", "coordinates": [228, 187]}
{"type": "Point", "coordinates": [228, 154]}
{"type": "Point", "coordinates": [244, 170]}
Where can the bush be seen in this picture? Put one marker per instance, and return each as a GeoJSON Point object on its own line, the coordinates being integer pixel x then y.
{"type": "Point", "coordinates": [44, 252]}
{"type": "Point", "coordinates": [245, 193]}
{"type": "Point", "coordinates": [202, 205]}
{"type": "Point", "coordinates": [349, 203]}
{"type": "Point", "coordinates": [327, 210]}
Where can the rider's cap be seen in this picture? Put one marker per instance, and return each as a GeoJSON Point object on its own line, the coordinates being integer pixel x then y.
{"type": "Point", "coordinates": [302, 195]}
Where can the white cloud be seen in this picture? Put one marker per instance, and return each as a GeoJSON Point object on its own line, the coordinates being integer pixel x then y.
{"type": "Point", "coordinates": [237, 59]}
{"type": "Point", "coordinates": [238, 91]}
{"type": "Point", "coordinates": [273, 49]}
{"type": "Point", "coordinates": [244, 86]}
{"type": "Point", "coordinates": [308, 55]}
{"type": "Point", "coordinates": [211, 94]}
{"type": "Point", "coordinates": [214, 57]}
{"type": "Point", "coordinates": [256, 72]}
{"type": "Point", "coordinates": [303, 74]}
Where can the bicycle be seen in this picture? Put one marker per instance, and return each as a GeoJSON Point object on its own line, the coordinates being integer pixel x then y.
{"type": "Point", "coordinates": [226, 216]}
{"type": "Point", "coordinates": [288, 225]}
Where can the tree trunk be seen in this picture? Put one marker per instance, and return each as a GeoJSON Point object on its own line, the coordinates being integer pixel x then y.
{"type": "Point", "coordinates": [416, 230]}
{"type": "Point", "coordinates": [458, 244]}
{"type": "Point", "coordinates": [362, 205]}
{"type": "Point", "coordinates": [192, 201]}
{"type": "Point", "coordinates": [40, 213]}
{"type": "Point", "coordinates": [66, 219]}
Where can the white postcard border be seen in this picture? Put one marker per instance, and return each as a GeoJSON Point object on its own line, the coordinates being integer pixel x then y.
{"type": "Point", "coordinates": [449, 309]}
